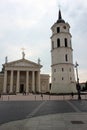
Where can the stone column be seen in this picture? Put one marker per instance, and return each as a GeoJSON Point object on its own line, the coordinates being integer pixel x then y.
{"type": "Point", "coordinates": [33, 81]}
{"type": "Point", "coordinates": [38, 81]}
{"type": "Point", "coordinates": [18, 85]}
{"type": "Point", "coordinates": [11, 82]}
{"type": "Point", "coordinates": [27, 81]}
{"type": "Point", "coordinates": [5, 82]}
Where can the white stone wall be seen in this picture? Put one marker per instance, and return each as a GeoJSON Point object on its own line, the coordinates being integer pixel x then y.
{"type": "Point", "coordinates": [63, 88]}
{"type": "Point", "coordinates": [58, 55]}
{"type": "Point", "coordinates": [44, 81]}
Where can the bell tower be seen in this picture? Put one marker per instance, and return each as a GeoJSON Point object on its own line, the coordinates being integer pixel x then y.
{"type": "Point", "coordinates": [63, 78]}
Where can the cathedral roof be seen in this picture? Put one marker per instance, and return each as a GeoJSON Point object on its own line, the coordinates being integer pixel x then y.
{"type": "Point", "coordinates": [60, 20]}
{"type": "Point", "coordinates": [22, 63]}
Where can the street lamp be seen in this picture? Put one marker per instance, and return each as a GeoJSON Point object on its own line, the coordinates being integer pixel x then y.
{"type": "Point", "coordinates": [77, 84]}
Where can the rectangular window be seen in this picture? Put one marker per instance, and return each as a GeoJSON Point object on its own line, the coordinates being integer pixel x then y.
{"type": "Point", "coordinates": [66, 57]}
{"type": "Point", "coordinates": [62, 69]}
{"type": "Point", "coordinates": [54, 70]}
{"type": "Point", "coordinates": [58, 29]}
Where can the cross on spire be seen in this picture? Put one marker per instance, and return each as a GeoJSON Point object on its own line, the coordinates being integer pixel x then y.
{"type": "Point", "coordinates": [59, 6]}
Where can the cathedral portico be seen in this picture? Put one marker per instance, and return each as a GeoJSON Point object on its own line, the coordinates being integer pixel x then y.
{"type": "Point", "coordinates": [21, 76]}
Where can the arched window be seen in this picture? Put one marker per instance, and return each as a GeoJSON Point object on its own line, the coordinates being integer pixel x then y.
{"type": "Point", "coordinates": [58, 42]}
{"type": "Point", "coordinates": [65, 42]}
{"type": "Point", "coordinates": [58, 29]}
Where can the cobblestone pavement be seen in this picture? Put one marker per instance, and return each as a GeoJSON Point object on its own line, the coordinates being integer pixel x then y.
{"type": "Point", "coordinates": [66, 121]}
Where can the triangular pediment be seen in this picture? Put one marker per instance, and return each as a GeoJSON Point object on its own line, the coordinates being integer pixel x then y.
{"type": "Point", "coordinates": [22, 63]}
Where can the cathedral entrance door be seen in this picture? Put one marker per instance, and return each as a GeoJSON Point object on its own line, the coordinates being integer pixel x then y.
{"type": "Point", "coordinates": [21, 88]}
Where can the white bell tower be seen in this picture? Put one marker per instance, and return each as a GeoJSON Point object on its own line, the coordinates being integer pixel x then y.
{"type": "Point", "coordinates": [63, 78]}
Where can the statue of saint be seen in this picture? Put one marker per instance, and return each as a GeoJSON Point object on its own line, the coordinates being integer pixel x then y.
{"type": "Point", "coordinates": [6, 59]}
{"type": "Point", "coordinates": [39, 61]}
{"type": "Point", "coordinates": [23, 54]}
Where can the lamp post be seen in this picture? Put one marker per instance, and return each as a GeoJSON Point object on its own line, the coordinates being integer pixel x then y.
{"type": "Point", "coordinates": [77, 84]}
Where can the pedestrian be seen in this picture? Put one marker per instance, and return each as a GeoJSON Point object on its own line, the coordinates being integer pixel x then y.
{"type": "Point", "coordinates": [42, 96]}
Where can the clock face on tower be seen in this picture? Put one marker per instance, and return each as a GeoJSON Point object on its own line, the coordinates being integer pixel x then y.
{"type": "Point", "coordinates": [64, 27]}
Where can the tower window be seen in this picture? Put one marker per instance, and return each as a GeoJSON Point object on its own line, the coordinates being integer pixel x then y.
{"type": "Point", "coordinates": [54, 70]}
{"type": "Point", "coordinates": [58, 42]}
{"type": "Point", "coordinates": [58, 29]}
{"type": "Point", "coordinates": [66, 57]}
{"type": "Point", "coordinates": [62, 78]}
{"type": "Point", "coordinates": [65, 42]}
{"type": "Point", "coordinates": [62, 69]}
{"type": "Point", "coordinates": [70, 78]}
{"type": "Point", "coordinates": [64, 27]}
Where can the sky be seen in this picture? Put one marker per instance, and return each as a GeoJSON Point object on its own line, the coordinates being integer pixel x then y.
{"type": "Point", "coordinates": [26, 24]}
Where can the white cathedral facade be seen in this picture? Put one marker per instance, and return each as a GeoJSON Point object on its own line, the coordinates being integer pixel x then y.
{"type": "Point", "coordinates": [23, 76]}
{"type": "Point", "coordinates": [63, 78]}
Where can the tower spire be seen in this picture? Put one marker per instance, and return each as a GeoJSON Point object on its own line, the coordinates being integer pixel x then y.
{"type": "Point", "coordinates": [60, 20]}
{"type": "Point", "coordinates": [60, 16]}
